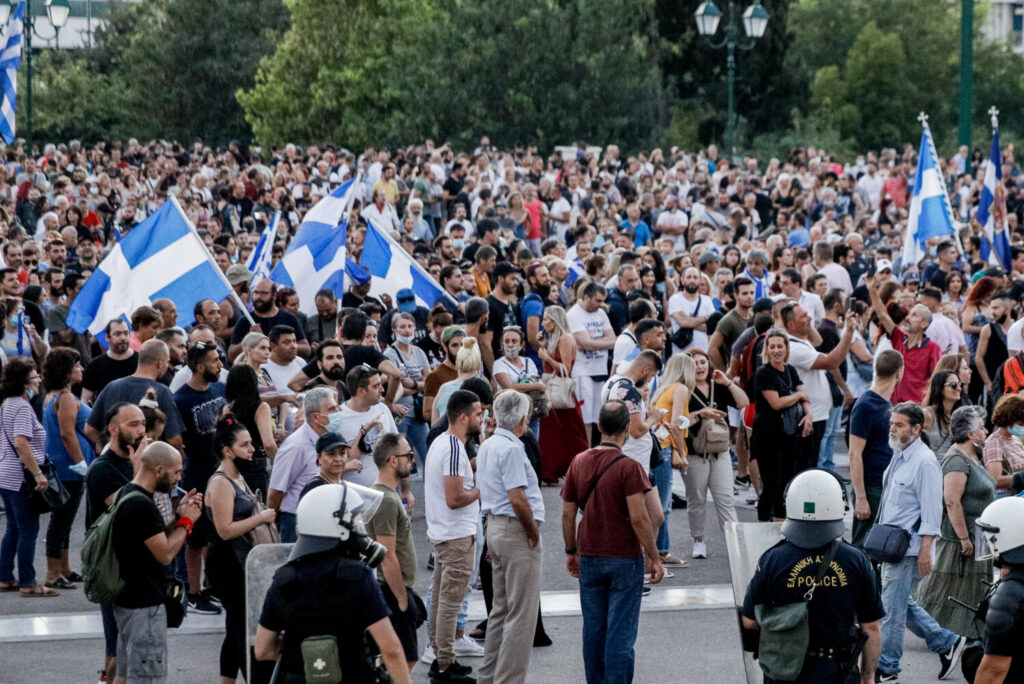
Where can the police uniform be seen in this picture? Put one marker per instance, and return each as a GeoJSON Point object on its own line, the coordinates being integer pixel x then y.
{"type": "Point", "coordinates": [847, 596]}
{"type": "Point", "coordinates": [1004, 624]}
{"type": "Point", "coordinates": [325, 593]}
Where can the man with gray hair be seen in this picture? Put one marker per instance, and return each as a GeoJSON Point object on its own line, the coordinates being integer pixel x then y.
{"type": "Point", "coordinates": [512, 505]}
{"type": "Point", "coordinates": [911, 500]}
{"type": "Point", "coordinates": [757, 271]}
{"type": "Point", "coordinates": [295, 464]}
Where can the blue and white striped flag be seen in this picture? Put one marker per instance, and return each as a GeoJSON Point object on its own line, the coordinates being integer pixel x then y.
{"type": "Point", "coordinates": [930, 215]}
{"type": "Point", "coordinates": [259, 260]}
{"type": "Point", "coordinates": [162, 257]}
{"type": "Point", "coordinates": [576, 271]}
{"type": "Point", "coordinates": [316, 258]}
{"type": "Point", "coordinates": [9, 61]}
{"type": "Point", "coordinates": [392, 269]}
{"type": "Point", "coordinates": [995, 249]}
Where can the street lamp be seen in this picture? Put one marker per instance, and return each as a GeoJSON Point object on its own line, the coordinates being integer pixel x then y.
{"type": "Point", "coordinates": [755, 22]}
{"type": "Point", "coordinates": [57, 11]}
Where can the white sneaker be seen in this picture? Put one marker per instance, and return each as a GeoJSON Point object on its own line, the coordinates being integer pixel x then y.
{"type": "Point", "coordinates": [700, 549]}
{"type": "Point", "coordinates": [467, 648]}
{"type": "Point", "coordinates": [428, 656]}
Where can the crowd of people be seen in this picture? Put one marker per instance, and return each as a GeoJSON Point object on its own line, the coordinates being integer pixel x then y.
{"type": "Point", "coordinates": [729, 321]}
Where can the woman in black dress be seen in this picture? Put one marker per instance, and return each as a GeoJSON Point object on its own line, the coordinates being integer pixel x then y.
{"type": "Point", "coordinates": [777, 387]}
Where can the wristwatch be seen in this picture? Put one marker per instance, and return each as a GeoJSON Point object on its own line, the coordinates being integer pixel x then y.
{"type": "Point", "coordinates": [569, 552]}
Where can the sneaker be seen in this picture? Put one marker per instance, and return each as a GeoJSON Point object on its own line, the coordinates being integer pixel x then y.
{"type": "Point", "coordinates": [669, 559]}
{"type": "Point", "coordinates": [103, 677]}
{"type": "Point", "coordinates": [700, 549]}
{"type": "Point", "coordinates": [200, 605]}
{"type": "Point", "coordinates": [647, 590]}
{"type": "Point", "coordinates": [453, 674]}
{"type": "Point", "coordinates": [887, 678]}
{"type": "Point", "coordinates": [950, 658]}
{"type": "Point", "coordinates": [430, 561]}
{"type": "Point", "coordinates": [742, 481]}
{"type": "Point", "coordinates": [466, 647]}
{"type": "Point", "coordinates": [210, 596]}
{"type": "Point", "coordinates": [428, 656]}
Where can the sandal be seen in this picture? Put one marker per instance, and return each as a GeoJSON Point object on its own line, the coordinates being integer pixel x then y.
{"type": "Point", "coordinates": [9, 586]}
{"type": "Point", "coordinates": [39, 591]}
{"type": "Point", "coordinates": [74, 577]}
{"type": "Point", "coordinates": [61, 583]}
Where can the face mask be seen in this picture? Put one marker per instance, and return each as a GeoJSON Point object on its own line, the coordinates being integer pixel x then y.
{"type": "Point", "coordinates": [487, 415]}
{"type": "Point", "coordinates": [599, 242]}
{"type": "Point", "coordinates": [458, 243]}
{"type": "Point", "coordinates": [511, 352]}
{"type": "Point", "coordinates": [1017, 430]}
{"type": "Point", "coordinates": [14, 321]}
{"type": "Point", "coordinates": [234, 258]}
{"type": "Point", "coordinates": [404, 339]}
{"type": "Point", "coordinates": [933, 251]}
{"type": "Point", "coordinates": [31, 393]}
{"type": "Point", "coordinates": [334, 422]}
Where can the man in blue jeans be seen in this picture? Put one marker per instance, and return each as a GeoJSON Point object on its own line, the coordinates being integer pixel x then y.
{"type": "Point", "coordinates": [607, 552]}
{"type": "Point", "coordinates": [911, 499]}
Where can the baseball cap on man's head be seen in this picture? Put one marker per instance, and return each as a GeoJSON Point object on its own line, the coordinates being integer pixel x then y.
{"type": "Point", "coordinates": [238, 273]}
{"type": "Point", "coordinates": [452, 331]}
{"type": "Point", "coordinates": [406, 300]}
{"type": "Point", "coordinates": [883, 265]}
{"type": "Point", "coordinates": [708, 256]}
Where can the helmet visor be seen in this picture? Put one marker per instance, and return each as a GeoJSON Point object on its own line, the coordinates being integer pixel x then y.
{"type": "Point", "coordinates": [983, 549]}
{"type": "Point", "coordinates": [361, 502]}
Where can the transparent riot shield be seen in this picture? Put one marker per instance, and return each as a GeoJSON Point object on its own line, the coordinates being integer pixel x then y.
{"type": "Point", "coordinates": [260, 566]}
{"type": "Point", "coordinates": [745, 543]}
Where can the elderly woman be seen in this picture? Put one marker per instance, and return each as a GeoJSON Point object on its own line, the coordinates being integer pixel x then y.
{"type": "Point", "coordinates": [1004, 452]}
{"type": "Point", "coordinates": [966, 489]}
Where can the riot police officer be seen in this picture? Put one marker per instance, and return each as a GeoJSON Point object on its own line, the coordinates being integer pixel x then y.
{"type": "Point", "coordinates": [813, 572]}
{"type": "Point", "coordinates": [1001, 527]}
{"type": "Point", "coordinates": [325, 599]}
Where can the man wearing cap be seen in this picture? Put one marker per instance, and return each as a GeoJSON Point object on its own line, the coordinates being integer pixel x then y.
{"type": "Point", "coordinates": [332, 457]}
{"type": "Point", "coordinates": [883, 273]}
{"type": "Point", "coordinates": [843, 597]}
{"type": "Point", "coordinates": [709, 262]}
{"type": "Point", "coordinates": [405, 302]}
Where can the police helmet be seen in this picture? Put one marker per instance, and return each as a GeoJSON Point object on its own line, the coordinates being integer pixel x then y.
{"type": "Point", "coordinates": [815, 508]}
{"type": "Point", "coordinates": [333, 513]}
{"type": "Point", "coordinates": [1000, 532]}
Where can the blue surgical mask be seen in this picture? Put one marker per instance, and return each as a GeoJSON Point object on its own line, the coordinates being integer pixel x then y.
{"type": "Point", "coordinates": [404, 339]}
{"type": "Point", "coordinates": [458, 243]}
{"type": "Point", "coordinates": [599, 242]}
{"type": "Point", "coordinates": [14, 320]}
{"type": "Point", "coordinates": [31, 393]}
{"type": "Point", "coordinates": [1017, 430]}
{"type": "Point", "coordinates": [933, 250]}
{"type": "Point", "coordinates": [334, 422]}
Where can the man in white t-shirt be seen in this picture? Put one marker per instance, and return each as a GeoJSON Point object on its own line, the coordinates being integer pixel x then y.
{"type": "Point", "coordinates": [626, 344]}
{"type": "Point", "coordinates": [364, 418]}
{"type": "Point", "coordinates": [1015, 337]}
{"type": "Point", "coordinates": [452, 511]}
{"type": "Point", "coordinates": [813, 368]}
{"type": "Point", "coordinates": [283, 365]}
{"type": "Point", "coordinates": [594, 335]}
{"type": "Point", "coordinates": [792, 288]}
{"type": "Point", "coordinates": [689, 309]}
{"type": "Point", "coordinates": [673, 222]}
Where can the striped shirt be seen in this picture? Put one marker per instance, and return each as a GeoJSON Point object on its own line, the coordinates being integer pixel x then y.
{"type": "Point", "coordinates": [18, 419]}
{"type": "Point", "coordinates": [447, 457]}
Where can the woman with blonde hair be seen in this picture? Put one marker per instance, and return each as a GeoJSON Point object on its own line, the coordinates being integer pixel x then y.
{"type": "Point", "coordinates": [467, 364]}
{"type": "Point", "coordinates": [562, 433]}
{"type": "Point", "coordinates": [673, 396]}
{"type": "Point", "coordinates": [711, 395]}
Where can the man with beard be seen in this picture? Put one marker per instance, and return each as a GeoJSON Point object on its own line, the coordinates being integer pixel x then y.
{"type": "Point", "coordinates": [199, 403]}
{"type": "Point", "coordinates": [331, 362]}
{"type": "Point", "coordinates": [504, 313]}
{"type": "Point", "coordinates": [112, 470]}
{"type": "Point", "coordinates": [689, 309]}
{"type": "Point", "coordinates": [363, 419]}
{"type": "Point", "coordinates": [174, 338]}
{"type": "Point", "coordinates": [142, 543]}
{"type": "Point", "coordinates": [444, 249]}
{"type": "Point", "coordinates": [200, 333]}
{"type": "Point", "coordinates": [540, 296]}
{"type": "Point", "coordinates": [324, 325]}
{"type": "Point", "coordinates": [266, 315]}
{"type": "Point", "coordinates": [119, 361]}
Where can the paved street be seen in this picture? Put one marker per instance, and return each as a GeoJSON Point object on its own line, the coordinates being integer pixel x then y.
{"type": "Point", "coordinates": [688, 628]}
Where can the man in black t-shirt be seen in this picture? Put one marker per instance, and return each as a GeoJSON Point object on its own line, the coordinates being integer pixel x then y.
{"type": "Point", "coordinates": [119, 361]}
{"type": "Point", "coordinates": [266, 315]}
{"type": "Point", "coordinates": [503, 310]}
{"type": "Point", "coordinates": [330, 361]}
{"type": "Point", "coordinates": [143, 550]}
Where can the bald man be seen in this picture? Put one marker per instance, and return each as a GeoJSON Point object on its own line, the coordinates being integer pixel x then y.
{"type": "Point", "coordinates": [168, 311]}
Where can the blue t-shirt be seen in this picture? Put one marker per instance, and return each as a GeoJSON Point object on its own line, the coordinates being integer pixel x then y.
{"type": "Point", "coordinates": [870, 421]}
{"type": "Point", "coordinates": [532, 306]}
{"type": "Point", "coordinates": [641, 232]}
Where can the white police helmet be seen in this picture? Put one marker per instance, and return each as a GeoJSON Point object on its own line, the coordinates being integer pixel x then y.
{"type": "Point", "coordinates": [333, 513]}
{"type": "Point", "coordinates": [1000, 531]}
{"type": "Point", "coordinates": [815, 507]}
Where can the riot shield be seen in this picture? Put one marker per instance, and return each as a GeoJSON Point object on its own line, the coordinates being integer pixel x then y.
{"type": "Point", "coordinates": [745, 543]}
{"type": "Point", "coordinates": [260, 566]}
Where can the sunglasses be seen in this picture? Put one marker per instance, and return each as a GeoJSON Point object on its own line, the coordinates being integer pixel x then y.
{"type": "Point", "coordinates": [955, 384]}
{"type": "Point", "coordinates": [30, 262]}
{"type": "Point", "coordinates": [409, 455]}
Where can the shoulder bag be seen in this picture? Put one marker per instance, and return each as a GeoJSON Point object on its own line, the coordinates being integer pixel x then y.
{"type": "Point", "coordinates": [54, 496]}
{"type": "Point", "coordinates": [597, 478]}
{"type": "Point", "coordinates": [791, 415]}
{"type": "Point", "coordinates": [684, 336]}
{"type": "Point", "coordinates": [561, 388]}
{"type": "Point", "coordinates": [886, 543]}
{"type": "Point", "coordinates": [264, 533]}
{"type": "Point", "coordinates": [713, 435]}
{"type": "Point", "coordinates": [785, 630]}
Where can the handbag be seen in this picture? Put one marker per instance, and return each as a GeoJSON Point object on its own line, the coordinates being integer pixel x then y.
{"type": "Point", "coordinates": [55, 495]}
{"type": "Point", "coordinates": [417, 398]}
{"type": "Point", "coordinates": [684, 336]}
{"type": "Point", "coordinates": [792, 415]}
{"type": "Point", "coordinates": [264, 533]}
{"type": "Point", "coordinates": [837, 394]}
{"type": "Point", "coordinates": [713, 435]}
{"type": "Point", "coordinates": [561, 388]}
{"type": "Point", "coordinates": [887, 543]}
{"type": "Point", "coordinates": [785, 632]}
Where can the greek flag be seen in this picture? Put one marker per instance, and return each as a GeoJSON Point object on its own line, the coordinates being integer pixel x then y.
{"type": "Point", "coordinates": [930, 212]}
{"type": "Point", "coordinates": [9, 62]}
{"type": "Point", "coordinates": [392, 268]}
{"type": "Point", "coordinates": [259, 260]}
{"type": "Point", "coordinates": [576, 271]}
{"type": "Point", "coordinates": [316, 258]}
{"type": "Point", "coordinates": [162, 257]}
{"type": "Point", "coordinates": [995, 248]}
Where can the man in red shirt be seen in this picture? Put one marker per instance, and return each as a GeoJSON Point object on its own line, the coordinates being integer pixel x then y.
{"type": "Point", "coordinates": [920, 355]}
{"type": "Point", "coordinates": [607, 552]}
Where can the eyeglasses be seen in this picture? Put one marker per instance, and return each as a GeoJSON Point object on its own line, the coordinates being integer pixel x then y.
{"type": "Point", "coordinates": [955, 384]}
{"type": "Point", "coordinates": [30, 262]}
{"type": "Point", "coordinates": [409, 455]}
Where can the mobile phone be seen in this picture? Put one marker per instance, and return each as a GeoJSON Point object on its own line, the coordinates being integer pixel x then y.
{"type": "Point", "coordinates": [871, 267]}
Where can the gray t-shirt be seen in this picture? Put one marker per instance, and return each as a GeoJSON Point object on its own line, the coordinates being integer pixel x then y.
{"type": "Point", "coordinates": [132, 389]}
{"type": "Point", "coordinates": [413, 365]}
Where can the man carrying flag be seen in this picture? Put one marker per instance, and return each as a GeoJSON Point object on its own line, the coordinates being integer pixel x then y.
{"type": "Point", "coordinates": [931, 215]}
{"type": "Point", "coordinates": [9, 62]}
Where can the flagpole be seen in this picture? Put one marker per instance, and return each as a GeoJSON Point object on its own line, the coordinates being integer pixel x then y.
{"type": "Point", "coordinates": [209, 258]}
{"type": "Point", "coordinates": [424, 272]}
